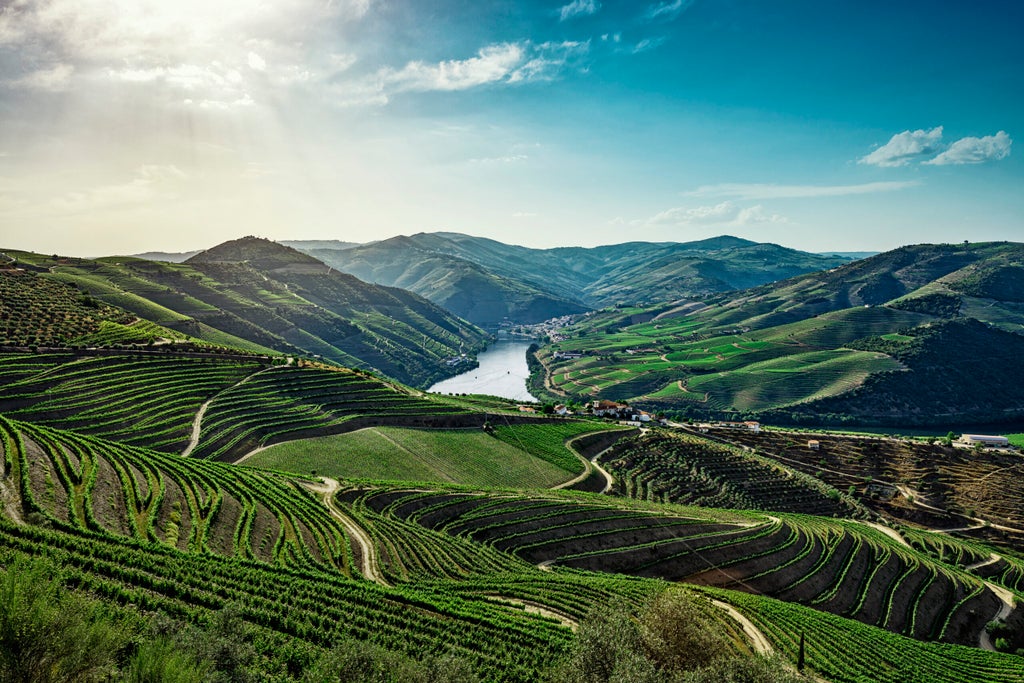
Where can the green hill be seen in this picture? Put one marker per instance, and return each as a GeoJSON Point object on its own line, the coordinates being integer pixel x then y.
{"type": "Point", "coordinates": [902, 338]}
{"type": "Point", "coordinates": [457, 284]}
{"type": "Point", "coordinates": [258, 295]}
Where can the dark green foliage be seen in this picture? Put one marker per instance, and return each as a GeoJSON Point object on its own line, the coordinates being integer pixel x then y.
{"type": "Point", "coordinates": [673, 640]}
{"type": "Point", "coordinates": [960, 372]}
{"type": "Point", "coordinates": [1000, 281]}
{"type": "Point", "coordinates": [161, 660]}
{"type": "Point", "coordinates": [938, 304]}
{"type": "Point", "coordinates": [352, 661]}
{"type": "Point", "coordinates": [745, 670]}
{"type": "Point", "coordinates": [49, 634]}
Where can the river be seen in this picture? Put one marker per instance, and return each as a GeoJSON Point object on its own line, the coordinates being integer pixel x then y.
{"type": "Point", "coordinates": [502, 372]}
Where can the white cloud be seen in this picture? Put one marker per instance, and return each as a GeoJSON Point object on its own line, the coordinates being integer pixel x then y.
{"type": "Point", "coordinates": [189, 45]}
{"type": "Point", "coordinates": [908, 146]}
{"type": "Point", "coordinates": [55, 79]}
{"type": "Point", "coordinates": [339, 62]}
{"type": "Point", "coordinates": [971, 150]}
{"type": "Point", "coordinates": [577, 8]}
{"type": "Point", "coordinates": [256, 63]}
{"type": "Point", "coordinates": [772, 191]}
{"type": "Point", "coordinates": [492, 63]}
{"type": "Point", "coordinates": [725, 214]}
{"type": "Point", "coordinates": [905, 147]}
{"type": "Point", "coordinates": [508, 63]}
{"type": "Point", "coordinates": [667, 11]}
{"type": "Point", "coordinates": [648, 44]}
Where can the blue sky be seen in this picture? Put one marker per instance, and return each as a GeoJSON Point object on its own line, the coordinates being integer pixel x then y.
{"type": "Point", "coordinates": [135, 125]}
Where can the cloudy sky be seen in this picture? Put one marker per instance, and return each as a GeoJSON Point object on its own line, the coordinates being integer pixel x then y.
{"type": "Point", "coordinates": [132, 125]}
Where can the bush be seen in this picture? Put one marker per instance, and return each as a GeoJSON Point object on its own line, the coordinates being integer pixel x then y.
{"type": "Point", "coordinates": [48, 633]}
{"type": "Point", "coordinates": [673, 640]}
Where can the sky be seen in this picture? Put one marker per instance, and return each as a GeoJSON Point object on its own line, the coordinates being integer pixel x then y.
{"type": "Point", "coordinates": [849, 125]}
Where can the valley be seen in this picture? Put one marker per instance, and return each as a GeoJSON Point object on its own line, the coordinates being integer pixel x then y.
{"type": "Point", "coordinates": [192, 474]}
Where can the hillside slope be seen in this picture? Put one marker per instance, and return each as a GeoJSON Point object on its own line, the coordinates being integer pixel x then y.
{"type": "Point", "coordinates": [256, 294]}
{"type": "Point", "coordinates": [922, 335]}
{"type": "Point", "coordinates": [457, 284]}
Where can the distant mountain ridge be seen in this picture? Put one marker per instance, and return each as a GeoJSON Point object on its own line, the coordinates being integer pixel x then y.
{"type": "Point", "coordinates": [487, 281]}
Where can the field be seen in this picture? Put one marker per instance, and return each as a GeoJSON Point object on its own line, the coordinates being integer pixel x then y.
{"type": "Point", "coordinates": [466, 456]}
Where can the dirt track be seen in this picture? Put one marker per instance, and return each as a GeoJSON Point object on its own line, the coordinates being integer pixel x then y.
{"type": "Point", "coordinates": [367, 551]}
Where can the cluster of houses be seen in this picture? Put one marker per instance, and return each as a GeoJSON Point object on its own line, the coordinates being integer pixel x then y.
{"type": "Point", "coordinates": [456, 360]}
{"type": "Point", "coordinates": [620, 411]}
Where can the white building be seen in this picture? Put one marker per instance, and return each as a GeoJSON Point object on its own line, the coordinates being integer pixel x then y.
{"type": "Point", "coordinates": [985, 440]}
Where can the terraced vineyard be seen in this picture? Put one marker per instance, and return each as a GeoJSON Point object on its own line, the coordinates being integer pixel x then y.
{"type": "Point", "coordinates": [963, 483]}
{"type": "Point", "coordinates": [845, 568]}
{"type": "Point", "coordinates": [676, 468]}
{"type": "Point", "coordinates": [94, 479]}
{"type": "Point", "coordinates": [843, 651]}
{"type": "Point", "coordinates": [138, 400]}
{"type": "Point", "coordinates": [38, 311]}
{"type": "Point", "coordinates": [79, 483]}
{"type": "Point", "coordinates": [859, 340]}
{"type": "Point", "coordinates": [258, 295]}
{"type": "Point", "coordinates": [290, 403]}
{"type": "Point", "coordinates": [244, 403]}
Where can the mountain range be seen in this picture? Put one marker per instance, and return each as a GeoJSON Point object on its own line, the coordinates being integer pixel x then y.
{"type": "Point", "coordinates": [488, 282]}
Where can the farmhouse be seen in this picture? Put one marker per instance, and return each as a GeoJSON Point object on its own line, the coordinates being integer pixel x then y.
{"type": "Point", "coordinates": [985, 440]}
{"type": "Point", "coordinates": [561, 409]}
{"type": "Point", "coordinates": [814, 445]}
{"type": "Point", "coordinates": [749, 426]}
{"type": "Point", "coordinates": [607, 408]}
{"type": "Point", "coordinates": [567, 355]}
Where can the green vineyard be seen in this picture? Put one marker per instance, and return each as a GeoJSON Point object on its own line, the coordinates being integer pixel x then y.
{"type": "Point", "coordinates": [842, 567]}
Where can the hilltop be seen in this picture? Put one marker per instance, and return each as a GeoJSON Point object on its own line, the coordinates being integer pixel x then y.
{"type": "Point", "coordinates": [261, 296]}
{"type": "Point", "coordinates": [926, 334]}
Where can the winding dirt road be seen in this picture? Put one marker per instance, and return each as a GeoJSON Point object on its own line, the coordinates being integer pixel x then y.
{"type": "Point", "coordinates": [367, 551]}
{"type": "Point", "coordinates": [985, 640]}
{"type": "Point", "coordinates": [758, 641]}
{"type": "Point", "coordinates": [589, 465]}
{"type": "Point", "coordinates": [197, 423]}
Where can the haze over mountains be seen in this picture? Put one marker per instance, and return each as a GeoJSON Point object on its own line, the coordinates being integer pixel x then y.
{"type": "Point", "coordinates": [486, 281]}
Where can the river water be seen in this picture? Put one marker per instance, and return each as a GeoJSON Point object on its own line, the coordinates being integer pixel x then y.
{"type": "Point", "coordinates": [502, 372]}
